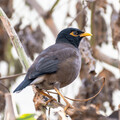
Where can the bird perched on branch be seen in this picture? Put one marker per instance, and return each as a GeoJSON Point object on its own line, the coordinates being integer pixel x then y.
{"type": "Point", "coordinates": [58, 65]}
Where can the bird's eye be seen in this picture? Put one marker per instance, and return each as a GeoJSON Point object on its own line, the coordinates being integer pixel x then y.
{"type": "Point", "coordinates": [74, 33]}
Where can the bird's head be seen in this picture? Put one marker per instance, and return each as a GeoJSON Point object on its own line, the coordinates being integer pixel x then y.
{"type": "Point", "coordinates": [72, 36]}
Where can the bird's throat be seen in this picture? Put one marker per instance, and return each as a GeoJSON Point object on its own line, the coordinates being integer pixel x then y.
{"type": "Point", "coordinates": [73, 42]}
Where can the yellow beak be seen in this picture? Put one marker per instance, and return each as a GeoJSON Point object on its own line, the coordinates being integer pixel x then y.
{"type": "Point", "coordinates": [85, 34]}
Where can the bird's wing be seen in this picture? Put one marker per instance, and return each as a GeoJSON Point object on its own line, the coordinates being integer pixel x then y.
{"type": "Point", "coordinates": [45, 65]}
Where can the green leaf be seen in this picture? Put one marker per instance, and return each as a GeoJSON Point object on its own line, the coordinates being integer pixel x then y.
{"type": "Point", "coordinates": [26, 117]}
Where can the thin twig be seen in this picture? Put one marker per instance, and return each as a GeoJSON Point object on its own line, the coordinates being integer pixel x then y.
{"type": "Point", "coordinates": [79, 13]}
{"type": "Point", "coordinates": [53, 7]}
{"type": "Point", "coordinates": [84, 100]}
{"type": "Point", "coordinates": [12, 76]}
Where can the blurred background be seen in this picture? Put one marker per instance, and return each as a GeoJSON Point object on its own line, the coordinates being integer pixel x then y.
{"type": "Point", "coordinates": [37, 24]}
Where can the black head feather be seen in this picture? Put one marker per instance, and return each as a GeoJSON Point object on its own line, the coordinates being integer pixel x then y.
{"type": "Point", "coordinates": [65, 36]}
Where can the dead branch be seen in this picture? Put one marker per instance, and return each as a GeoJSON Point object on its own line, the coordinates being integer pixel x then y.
{"type": "Point", "coordinates": [53, 7]}
{"type": "Point", "coordinates": [12, 76]}
{"type": "Point", "coordinates": [104, 58]}
{"type": "Point", "coordinates": [9, 111]}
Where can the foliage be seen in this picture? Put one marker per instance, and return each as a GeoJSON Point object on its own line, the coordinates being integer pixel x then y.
{"type": "Point", "coordinates": [26, 117]}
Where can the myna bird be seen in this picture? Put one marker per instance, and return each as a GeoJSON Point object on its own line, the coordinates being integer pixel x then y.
{"type": "Point", "coordinates": [58, 65]}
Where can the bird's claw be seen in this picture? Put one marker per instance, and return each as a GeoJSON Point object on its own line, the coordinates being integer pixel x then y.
{"type": "Point", "coordinates": [68, 105]}
{"type": "Point", "coordinates": [48, 101]}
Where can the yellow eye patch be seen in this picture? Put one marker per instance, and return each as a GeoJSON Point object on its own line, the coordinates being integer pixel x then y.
{"type": "Point", "coordinates": [74, 34]}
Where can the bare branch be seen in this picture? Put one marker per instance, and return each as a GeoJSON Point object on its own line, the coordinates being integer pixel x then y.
{"type": "Point", "coordinates": [53, 7]}
{"type": "Point", "coordinates": [12, 76]}
{"type": "Point", "coordinates": [104, 58]}
{"type": "Point", "coordinates": [85, 100]}
{"type": "Point", "coordinates": [9, 111]}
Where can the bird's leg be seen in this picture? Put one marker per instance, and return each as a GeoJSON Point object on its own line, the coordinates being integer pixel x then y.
{"type": "Point", "coordinates": [67, 103]}
{"type": "Point", "coordinates": [47, 95]}
{"type": "Point", "coordinates": [57, 85]}
{"type": "Point", "coordinates": [58, 97]}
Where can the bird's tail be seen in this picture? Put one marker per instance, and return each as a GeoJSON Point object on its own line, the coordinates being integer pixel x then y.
{"type": "Point", "coordinates": [23, 84]}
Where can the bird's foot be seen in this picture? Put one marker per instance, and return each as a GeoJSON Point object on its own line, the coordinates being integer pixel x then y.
{"type": "Point", "coordinates": [68, 105]}
{"type": "Point", "coordinates": [50, 99]}
{"type": "Point", "coordinates": [48, 96]}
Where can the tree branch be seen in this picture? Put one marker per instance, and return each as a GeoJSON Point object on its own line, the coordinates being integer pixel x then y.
{"type": "Point", "coordinates": [104, 58]}
{"type": "Point", "coordinates": [9, 111]}
{"type": "Point", "coordinates": [11, 76]}
{"type": "Point", "coordinates": [54, 5]}
{"type": "Point", "coordinates": [15, 40]}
